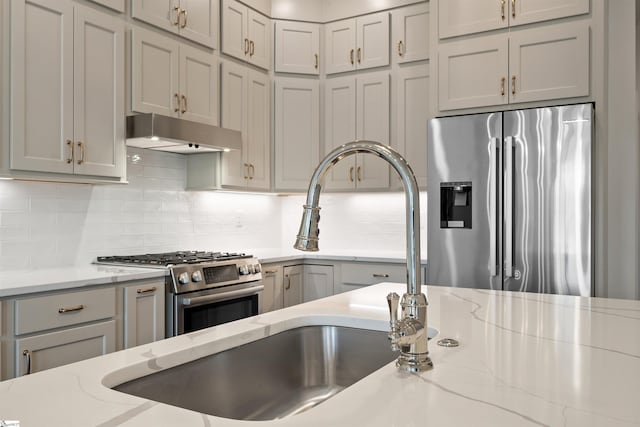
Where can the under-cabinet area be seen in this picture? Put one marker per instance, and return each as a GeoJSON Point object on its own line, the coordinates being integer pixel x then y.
{"type": "Point", "coordinates": [45, 330]}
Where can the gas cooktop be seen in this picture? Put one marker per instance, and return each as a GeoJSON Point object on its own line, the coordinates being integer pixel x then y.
{"type": "Point", "coordinates": [167, 259]}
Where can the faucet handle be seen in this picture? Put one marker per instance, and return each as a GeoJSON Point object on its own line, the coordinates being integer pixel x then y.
{"type": "Point", "coordinates": [393, 300]}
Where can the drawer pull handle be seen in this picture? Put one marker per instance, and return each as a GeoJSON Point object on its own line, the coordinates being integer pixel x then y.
{"type": "Point", "coordinates": [351, 56]}
{"type": "Point", "coordinates": [27, 354]}
{"type": "Point", "coordinates": [183, 12]}
{"type": "Point", "coordinates": [317, 61]}
{"type": "Point", "coordinates": [513, 8]}
{"type": "Point", "coordinates": [504, 80]}
{"type": "Point", "coordinates": [70, 146]}
{"type": "Point", "coordinates": [384, 275]}
{"type": "Point", "coordinates": [513, 85]}
{"type": "Point", "coordinates": [184, 104]}
{"type": "Point", "coordinates": [176, 103]}
{"type": "Point", "coordinates": [177, 10]}
{"type": "Point", "coordinates": [400, 48]}
{"type": "Point", "coordinates": [252, 48]}
{"type": "Point", "coordinates": [81, 148]}
{"type": "Point", "coordinates": [502, 4]}
{"type": "Point", "coordinates": [71, 309]}
{"type": "Point", "coordinates": [358, 174]}
{"type": "Point", "coordinates": [146, 291]}
{"type": "Point", "coordinates": [359, 55]}
{"type": "Point", "coordinates": [271, 271]}
{"type": "Point", "coordinates": [246, 46]}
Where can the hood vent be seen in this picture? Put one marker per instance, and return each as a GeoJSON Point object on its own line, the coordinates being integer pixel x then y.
{"type": "Point", "coordinates": [155, 132]}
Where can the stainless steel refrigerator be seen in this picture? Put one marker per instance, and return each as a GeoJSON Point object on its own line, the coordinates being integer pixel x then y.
{"type": "Point", "coordinates": [510, 200]}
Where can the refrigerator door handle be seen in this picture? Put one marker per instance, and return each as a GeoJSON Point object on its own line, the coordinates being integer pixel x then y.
{"type": "Point", "coordinates": [493, 188]}
{"type": "Point", "coordinates": [508, 206]}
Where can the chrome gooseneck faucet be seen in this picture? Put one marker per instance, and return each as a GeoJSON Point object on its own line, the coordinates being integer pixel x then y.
{"type": "Point", "coordinates": [409, 334]}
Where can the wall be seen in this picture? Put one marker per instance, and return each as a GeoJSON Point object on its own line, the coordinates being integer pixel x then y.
{"type": "Point", "coordinates": [46, 224]}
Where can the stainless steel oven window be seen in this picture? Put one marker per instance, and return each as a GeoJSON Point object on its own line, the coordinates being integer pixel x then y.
{"type": "Point", "coordinates": [248, 298]}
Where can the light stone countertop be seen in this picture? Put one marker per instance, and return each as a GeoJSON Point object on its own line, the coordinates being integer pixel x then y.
{"type": "Point", "coordinates": [20, 282]}
{"type": "Point", "coordinates": [524, 360]}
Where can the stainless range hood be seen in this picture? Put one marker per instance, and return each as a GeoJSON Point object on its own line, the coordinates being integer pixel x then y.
{"type": "Point", "coordinates": [156, 132]}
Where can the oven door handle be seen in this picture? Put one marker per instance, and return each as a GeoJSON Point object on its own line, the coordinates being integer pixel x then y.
{"type": "Point", "coordinates": [222, 296]}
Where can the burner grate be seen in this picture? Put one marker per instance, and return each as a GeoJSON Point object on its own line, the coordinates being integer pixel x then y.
{"type": "Point", "coordinates": [173, 258]}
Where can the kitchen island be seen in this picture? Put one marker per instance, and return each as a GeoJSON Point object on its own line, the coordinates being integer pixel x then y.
{"type": "Point", "coordinates": [523, 359]}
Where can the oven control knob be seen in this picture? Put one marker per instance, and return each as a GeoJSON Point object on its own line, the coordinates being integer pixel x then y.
{"type": "Point", "coordinates": [257, 268]}
{"type": "Point", "coordinates": [252, 269]}
{"type": "Point", "coordinates": [243, 270]}
{"type": "Point", "coordinates": [183, 278]}
{"type": "Point", "coordinates": [196, 276]}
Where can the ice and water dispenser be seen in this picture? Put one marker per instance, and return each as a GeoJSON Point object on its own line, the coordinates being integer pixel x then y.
{"type": "Point", "coordinates": [455, 205]}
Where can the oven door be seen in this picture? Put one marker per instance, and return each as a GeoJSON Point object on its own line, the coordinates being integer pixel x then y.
{"type": "Point", "coordinates": [203, 309]}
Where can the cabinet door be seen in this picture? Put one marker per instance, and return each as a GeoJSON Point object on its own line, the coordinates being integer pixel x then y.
{"type": "Point", "coordinates": [373, 40]}
{"type": "Point", "coordinates": [161, 13]}
{"type": "Point", "coordinates": [412, 114]}
{"type": "Point", "coordinates": [458, 17]}
{"type": "Point", "coordinates": [199, 21]}
{"type": "Point", "coordinates": [528, 11]}
{"type": "Point", "coordinates": [293, 276]}
{"type": "Point", "coordinates": [235, 41]}
{"type": "Point", "coordinates": [259, 130]}
{"type": "Point", "coordinates": [54, 349]}
{"type": "Point", "coordinates": [340, 128]}
{"type": "Point", "coordinates": [198, 85]}
{"type": "Point", "coordinates": [117, 5]}
{"type": "Point", "coordinates": [42, 85]}
{"type": "Point", "coordinates": [99, 94]}
{"type": "Point", "coordinates": [340, 46]}
{"type": "Point", "coordinates": [473, 73]}
{"type": "Point", "coordinates": [318, 282]}
{"type": "Point", "coordinates": [297, 47]}
{"type": "Point", "coordinates": [259, 35]}
{"type": "Point", "coordinates": [372, 118]}
{"type": "Point", "coordinates": [272, 296]}
{"type": "Point", "coordinates": [143, 314]}
{"type": "Point", "coordinates": [411, 33]}
{"type": "Point", "coordinates": [233, 95]}
{"type": "Point", "coordinates": [297, 132]}
{"type": "Point", "coordinates": [154, 69]}
{"type": "Point", "coordinates": [549, 62]}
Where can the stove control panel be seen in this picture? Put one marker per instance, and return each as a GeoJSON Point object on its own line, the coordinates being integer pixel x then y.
{"type": "Point", "coordinates": [193, 277]}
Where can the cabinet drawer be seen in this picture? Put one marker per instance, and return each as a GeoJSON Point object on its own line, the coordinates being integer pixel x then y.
{"type": "Point", "coordinates": [58, 310]}
{"type": "Point", "coordinates": [369, 274]}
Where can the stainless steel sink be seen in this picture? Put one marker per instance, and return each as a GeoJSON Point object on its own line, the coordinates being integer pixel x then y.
{"type": "Point", "coordinates": [273, 377]}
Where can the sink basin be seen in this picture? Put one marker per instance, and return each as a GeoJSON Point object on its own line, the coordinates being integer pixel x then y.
{"type": "Point", "coordinates": [273, 377]}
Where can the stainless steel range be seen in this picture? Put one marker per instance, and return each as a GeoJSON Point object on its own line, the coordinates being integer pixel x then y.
{"type": "Point", "coordinates": [203, 289]}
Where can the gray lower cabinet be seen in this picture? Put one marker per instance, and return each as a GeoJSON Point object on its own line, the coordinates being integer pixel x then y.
{"type": "Point", "coordinates": [272, 296]}
{"type": "Point", "coordinates": [354, 275]}
{"type": "Point", "coordinates": [49, 350]}
{"type": "Point", "coordinates": [306, 282]}
{"type": "Point", "coordinates": [292, 284]}
{"type": "Point", "coordinates": [144, 309]}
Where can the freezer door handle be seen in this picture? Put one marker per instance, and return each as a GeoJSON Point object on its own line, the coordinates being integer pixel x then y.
{"type": "Point", "coordinates": [508, 206]}
{"type": "Point", "coordinates": [493, 189]}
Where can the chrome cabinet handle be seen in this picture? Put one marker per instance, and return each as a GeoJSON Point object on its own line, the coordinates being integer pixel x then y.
{"type": "Point", "coordinates": [178, 12]}
{"type": "Point", "coordinates": [317, 61]}
{"type": "Point", "coordinates": [70, 147]}
{"type": "Point", "coordinates": [224, 296]}
{"type": "Point", "coordinates": [183, 12]}
{"type": "Point", "coordinates": [252, 47]}
{"type": "Point", "coordinates": [400, 48]}
{"type": "Point", "coordinates": [246, 171]}
{"type": "Point", "coordinates": [27, 354]}
{"type": "Point", "coordinates": [358, 175]}
{"type": "Point", "coordinates": [81, 147]}
{"type": "Point", "coordinates": [246, 46]}
{"type": "Point", "coordinates": [359, 55]}
{"type": "Point", "coordinates": [252, 171]}
{"type": "Point", "coordinates": [502, 5]}
{"type": "Point", "coordinates": [184, 104]}
{"type": "Point", "coordinates": [351, 174]}
{"type": "Point", "coordinates": [288, 285]}
{"type": "Point", "coordinates": [513, 85]}
{"type": "Point", "coordinates": [513, 8]}
{"type": "Point", "coordinates": [176, 102]}
{"type": "Point", "coordinates": [146, 290]}
{"type": "Point", "coordinates": [70, 309]}
{"type": "Point", "coordinates": [383, 275]}
{"type": "Point", "coordinates": [270, 271]}
{"type": "Point", "coordinates": [351, 56]}
{"type": "Point", "coordinates": [504, 80]}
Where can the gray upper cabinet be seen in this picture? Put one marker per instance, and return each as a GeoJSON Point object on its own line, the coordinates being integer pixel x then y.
{"type": "Point", "coordinates": [196, 20]}
{"type": "Point", "coordinates": [67, 68]}
{"type": "Point", "coordinates": [410, 39]}
{"type": "Point", "coordinates": [246, 34]}
{"type": "Point", "coordinates": [297, 47]}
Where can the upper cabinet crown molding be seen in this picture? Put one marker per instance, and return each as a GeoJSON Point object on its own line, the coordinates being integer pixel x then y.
{"type": "Point", "coordinates": [460, 17]}
{"type": "Point", "coordinates": [196, 20]}
{"type": "Point", "coordinates": [246, 34]}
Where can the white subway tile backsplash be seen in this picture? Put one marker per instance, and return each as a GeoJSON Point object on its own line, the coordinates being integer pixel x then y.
{"type": "Point", "coordinates": [47, 224]}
